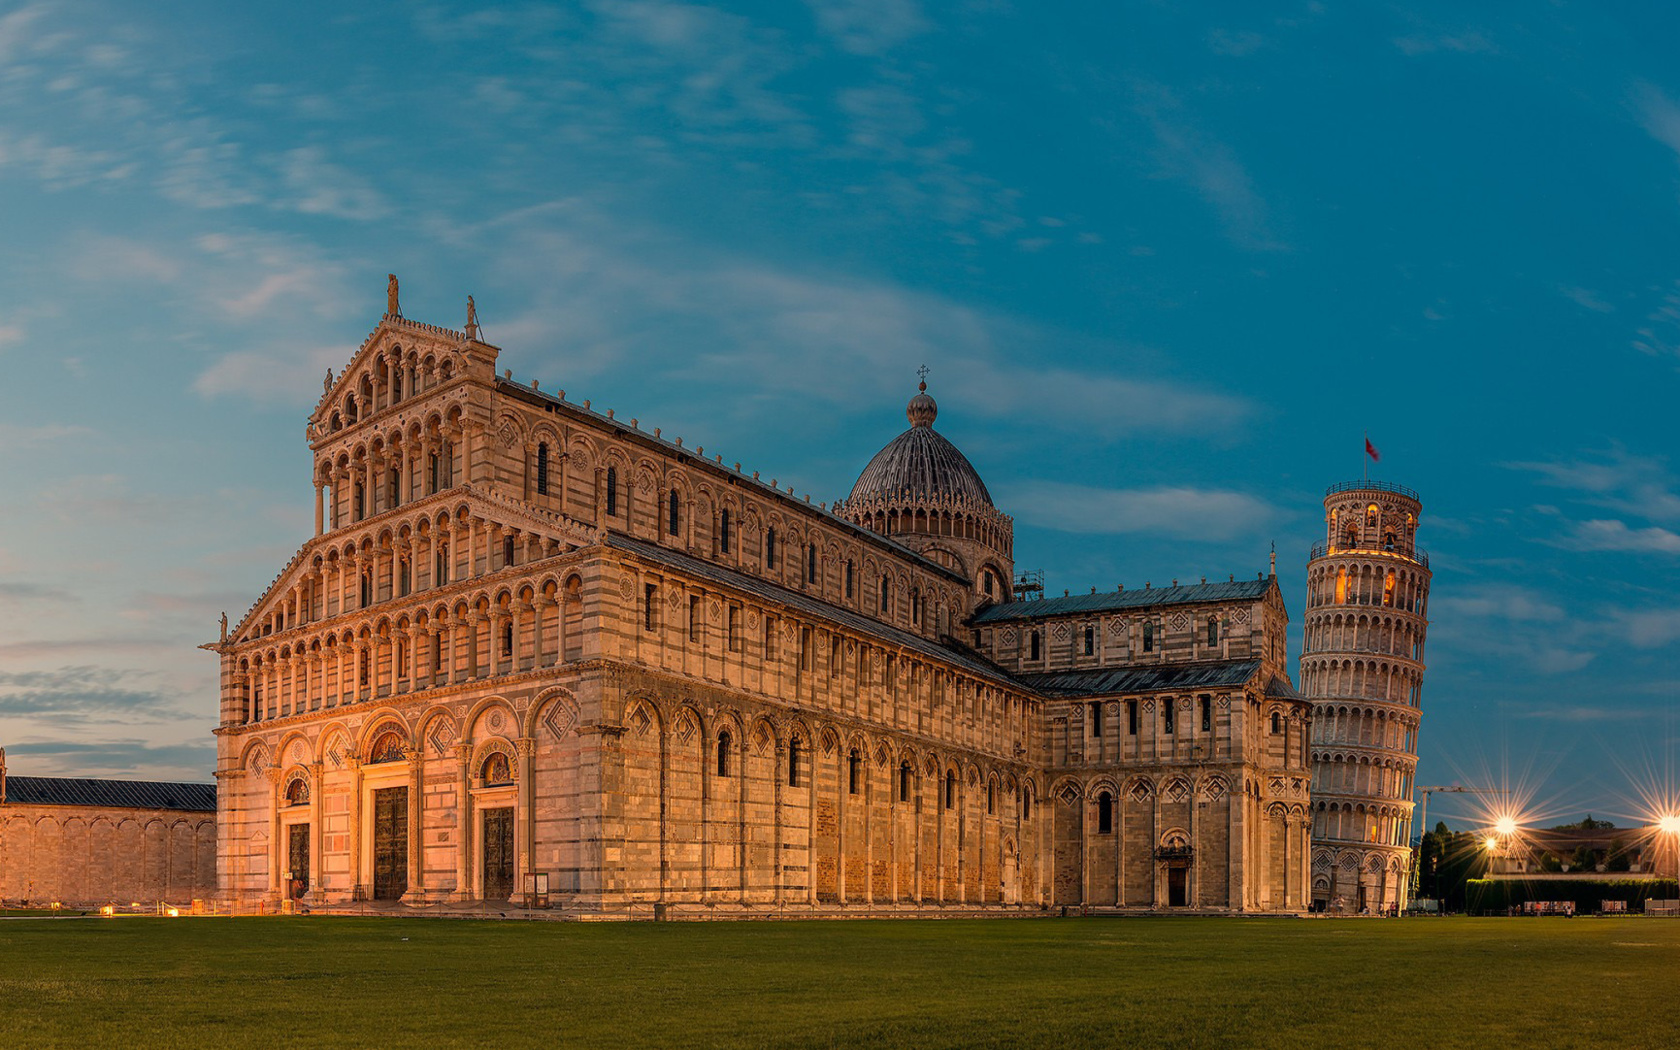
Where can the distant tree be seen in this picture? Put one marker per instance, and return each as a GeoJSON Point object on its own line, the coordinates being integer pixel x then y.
{"type": "Point", "coordinates": [1618, 859]}
{"type": "Point", "coordinates": [1587, 824]}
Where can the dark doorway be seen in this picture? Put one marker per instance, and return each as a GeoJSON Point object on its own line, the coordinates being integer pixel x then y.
{"type": "Point", "coordinates": [1362, 904]}
{"type": "Point", "coordinates": [1178, 880]}
{"type": "Point", "coordinates": [498, 854]}
{"type": "Point", "coordinates": [390, 843]}
{"type": "Point", "coordinates": [297, 860]}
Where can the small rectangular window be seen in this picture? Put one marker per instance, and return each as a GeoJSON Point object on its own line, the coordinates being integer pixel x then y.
{"type": "Point", "coordinates": [693, 618]}
{"type": "Point", "coordinates": [804, 648]}
{"type": "Point", "coordinates": [1148, 637]}
{"type": "Point", "coordinates": [1096, 719]}
{"type": "Point", "coordinates": [769, 640]}
{"type": "Point", "coordinates": [650, 601]}
{"type": "Point", "coordinates": [1207, 714]}
{"type": "Point", "coordinates": [1213, 630]}
{"type": "Point", "coordinates": [1131, 717]}
{"type": "Point", "coordinates": [1167, 715]}
{"type": "Point", "coordinates": [1090, 640]}
{"type": "Point", "coordinates": [734, 634]}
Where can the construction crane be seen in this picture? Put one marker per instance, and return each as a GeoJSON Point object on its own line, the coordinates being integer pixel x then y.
{"type": "Point", "coordinates": [1423, 819]}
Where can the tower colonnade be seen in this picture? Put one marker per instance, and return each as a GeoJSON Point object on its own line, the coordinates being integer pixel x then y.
{"type": "Point", "coordinates": [1362, 664]}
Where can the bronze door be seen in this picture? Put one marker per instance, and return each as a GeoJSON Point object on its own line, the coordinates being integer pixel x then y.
{"type": "Point", "coordinates": [498, 854]}
{"type": "Point", "coordinates": [297, 860]}
{"type": "Point", "coordinates": [390, 843]}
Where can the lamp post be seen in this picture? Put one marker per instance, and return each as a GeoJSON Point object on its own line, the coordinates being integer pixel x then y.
{"type": "Point", "coordinates": [1669, 824]}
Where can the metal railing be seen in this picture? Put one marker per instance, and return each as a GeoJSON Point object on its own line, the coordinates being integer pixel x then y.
{"type": "Point", "coordinates": [1372, 486]}
{"type": "Point", "coordinates": [1324, 550]}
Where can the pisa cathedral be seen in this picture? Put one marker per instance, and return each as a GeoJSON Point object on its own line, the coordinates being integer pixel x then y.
{"type": "Point", "coordinates": [533, 644]}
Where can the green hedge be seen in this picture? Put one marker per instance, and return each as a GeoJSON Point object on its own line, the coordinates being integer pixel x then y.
{"type": "Point", "coordinates": [1495, 896]}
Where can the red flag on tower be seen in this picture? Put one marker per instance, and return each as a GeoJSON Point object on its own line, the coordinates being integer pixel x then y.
{"type": "Point", "coordinates": [1371, 450]}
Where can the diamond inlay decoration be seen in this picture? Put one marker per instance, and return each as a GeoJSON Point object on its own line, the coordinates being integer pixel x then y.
{"type": "Point", "coordinates": [641, 721]}
{"type": "Point", "coordinates": [560, 718]}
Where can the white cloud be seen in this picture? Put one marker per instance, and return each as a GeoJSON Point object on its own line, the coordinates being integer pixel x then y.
{"type": "Point", "coordinates": [1610, 535]}
{"type": "Point", "coordinates": [1188, 513]}
{"type": "Point", "coordinates": [1498, 601]}
{"type": "Point", "coordinates": [1188, 154]}
{"type": "Point", "coordinates": [108, 258]}
{"type": "Point", "coordinates": [278, 376]}
{"type": "Point", "coordinates": [324, 188]}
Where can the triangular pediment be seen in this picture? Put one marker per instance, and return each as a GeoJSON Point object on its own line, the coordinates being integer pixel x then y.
{"type": "Point", "coordinates": [489, 506]}
{"type": "Point", "coordinates": [448, 343]}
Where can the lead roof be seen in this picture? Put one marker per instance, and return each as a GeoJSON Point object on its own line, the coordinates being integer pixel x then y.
{"type": "Point", "coordinates": [116, 794]}
{"type": "Point", "coordinates": [1116, 600]}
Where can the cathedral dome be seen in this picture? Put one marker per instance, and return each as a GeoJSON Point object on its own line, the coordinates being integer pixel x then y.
{"type": "Point", "coordinates": [919, 464]}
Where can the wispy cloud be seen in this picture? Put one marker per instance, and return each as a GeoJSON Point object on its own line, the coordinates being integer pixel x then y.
{"type": "Point", "coordinates": [869, 27]}
{"type": "Point", "coordinates": [321, 187]}
{"type": "Point", "coordinates": [1180, 511]}
{"type": "Point", "coordinates": [1611, 535]}
{"type": "Point", "coordinates": [1189, 154]}
{"type": "Point", "coordinates": [22, 591]}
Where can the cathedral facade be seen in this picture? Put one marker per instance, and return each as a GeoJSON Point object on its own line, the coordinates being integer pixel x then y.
{"type": "Point", "coordinates": [533, 647]}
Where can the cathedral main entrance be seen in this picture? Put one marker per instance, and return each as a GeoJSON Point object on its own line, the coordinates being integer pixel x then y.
{"type": "Point", "coordinates": [498, 854]}
{"type": "Point", "coordinates": [390, 843]}
{"type": "Point", "coordinates": [297, 860]}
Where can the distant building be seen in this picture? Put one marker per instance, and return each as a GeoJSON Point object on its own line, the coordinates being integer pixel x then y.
{"type": "Point", "coordinates": [1594, 853]}
{"type": "Point", "coordinates": [531, 639]}
{"type": "Point", "coordinates": [94, 842]}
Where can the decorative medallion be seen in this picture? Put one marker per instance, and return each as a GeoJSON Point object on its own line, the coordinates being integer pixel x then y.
{"type": "Point", "coordinates": [627, 587]}
{"type": "Point", "coordinates": [752, 619]}
{"type": "Point", "coordinates": [1177, 791]}
{"type": "Point", "coordinates": [1149, 707]}
{"type": "Point", "coordinates": [1069, 794]}
{"type": "Point", "coordinates": [1009, 636]}
{"type": "Point", "coordinates": [1140, 791]}
{"type": "Point", "coordinates": [497, 720]}
{"type": "Point", "coordinates": [1239, 616]}
{"type": "Point", "coordinates": [1060, 631]}
{"type": "Point", "coordinates": [1179, 621]}
{"type": "Point", "coordinates": [560, 717]}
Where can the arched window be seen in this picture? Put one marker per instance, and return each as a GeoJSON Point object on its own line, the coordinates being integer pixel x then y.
{"type": "Point", "coordinates": [723, 743]}
{"type": "Point", "coordinates": [1032, 645]}
{"type": "Point", "coordinates": [1105, 814]}
{"type": "Point", "coordinates": [723, 531]}
{"type": "Point", "coordinates": [612, 491]}
{"type": "Point", "coordinates": [674, 508]}
{"type": "Point", "coordinates": [1148, 637]}
{"type": "Point", "coordinates": [793, 761]}
{"type": "Point", "coordinates": [1213, 630]}
{"type": "Point", "coordinates": [770, 546]}
{"type": "Point", "coordinates": [950, 790]}
{"type": "Point", "coordinates": [991, 797]}
{"type": "Point", "coordinates": [886, 595]}
{"type": "Point", "coordinates": [848, 577]}
{"type": "Point", "coordinates": [431, 473]}
{"type": "Point", "coordinates": [1090, 640]}
{"type": "Point", "coordinates": [1388, 540]}
{"type": "Point", "coordinates": [987, 584]}
{"type": "Point", "coordinates": [297, 792]}
{"type": "Point", "coordinates": [811, 563]}
{"type": "Point", "coordinates": [507, 551]}
{"type": "Point", "coordinates": [542, 468]}
{"type": "Point", "coordinates": [1277, 722]}
{"type": "Point", "coordinates": [1167, 714]}
{"type": "Point", "coordinates": [854, 771]}
{"type": "Point", "coordinates": [1026, 805]}
{"type": "Point", "coordinates": [904, 782]}
{"type": "Point", "coordinates": [507, 638]}
{"type": "Point", "coordinates": [496, 770]}
{"type": "Point", "coordinates": [361, 502]}
{"type": "Point", "coordinates": [367, 588]}
{"type": "Point", "coordinates": [387, 748]}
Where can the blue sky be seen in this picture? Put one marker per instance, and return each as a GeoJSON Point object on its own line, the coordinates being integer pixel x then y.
{"type": "Point", "coordinates": [1166, 265]}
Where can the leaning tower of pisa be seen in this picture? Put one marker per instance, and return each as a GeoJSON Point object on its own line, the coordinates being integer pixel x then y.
{"type": "Point", "coordinates": [1362, 667]}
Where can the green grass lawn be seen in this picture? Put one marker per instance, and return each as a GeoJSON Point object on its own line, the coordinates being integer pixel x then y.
{"type": "Point", "coordinates": [1414, 984]}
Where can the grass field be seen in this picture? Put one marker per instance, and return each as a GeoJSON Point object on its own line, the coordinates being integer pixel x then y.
{"type": "Point", "coordinates": [318, 982]}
